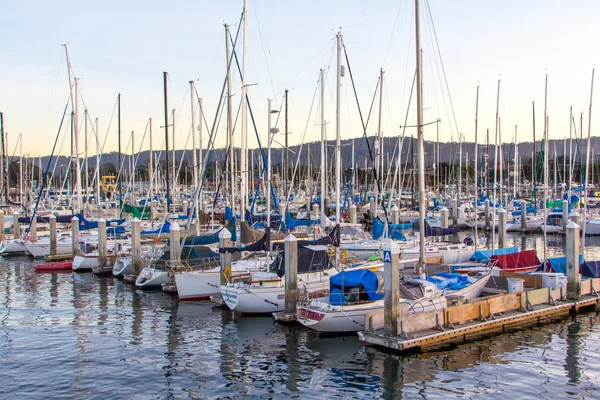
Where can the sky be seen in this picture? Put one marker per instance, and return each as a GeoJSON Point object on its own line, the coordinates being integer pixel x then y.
{"type": "Point", "coordinates": [124, 47]}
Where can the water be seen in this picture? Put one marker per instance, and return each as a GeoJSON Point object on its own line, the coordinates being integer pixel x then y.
{"type": "Point", "coordinates": [69, 335]}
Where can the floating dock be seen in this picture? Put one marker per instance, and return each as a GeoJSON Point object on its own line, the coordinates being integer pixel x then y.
{"type": "Point", "coordinates": [431, 330]}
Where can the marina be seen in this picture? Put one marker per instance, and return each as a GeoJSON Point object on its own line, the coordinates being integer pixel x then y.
{"type": "Point", "coordinates": [236, 239]}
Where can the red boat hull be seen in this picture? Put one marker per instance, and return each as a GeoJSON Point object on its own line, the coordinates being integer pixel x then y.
{"type": "Point", "coordinates": [54, 266]}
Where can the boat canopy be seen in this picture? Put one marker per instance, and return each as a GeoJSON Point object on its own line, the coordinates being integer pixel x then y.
{"type": "Point", "coordinates": [164, 228]}
{"type": "Point", "coordinates": [364, 281]}
{"type": "Point", "coordinates": [435, 231]}
{"type": "Point", "coordinates": [310, 259]}
{"type": "Point", "coordinates": [525, 258]}
{"type": "Point", "coordinates": [590, 269]}
{"type": "Point", "coordinates": [484, 255]}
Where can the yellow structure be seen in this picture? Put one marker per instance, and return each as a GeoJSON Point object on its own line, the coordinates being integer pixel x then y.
{"type": "Point", "coordinates": [108, 185]}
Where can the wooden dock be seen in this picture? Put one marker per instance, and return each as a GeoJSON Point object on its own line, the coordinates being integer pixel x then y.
{"type": "Point", "coordinates": [497, 314]}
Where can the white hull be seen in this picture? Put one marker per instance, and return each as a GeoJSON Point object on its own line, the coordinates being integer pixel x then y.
{"type": "Point", "coordinates": [13, 246]}
{"type": "Point", "coordinates": [151, 278]}
{"type": "Point", "coordinates": [323, 317]}
{"type": "Point", "coordinates": [42, 249]}
{"type": "Point", "coordinates": [123, 266]}
{"type": "Point", "coordinates": [254, 299]}
{"type": "Point", "coordinates": [85, 263]}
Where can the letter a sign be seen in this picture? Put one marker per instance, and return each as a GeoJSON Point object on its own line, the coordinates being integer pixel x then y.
{"type": "Point", "coordinates": [387, 256]}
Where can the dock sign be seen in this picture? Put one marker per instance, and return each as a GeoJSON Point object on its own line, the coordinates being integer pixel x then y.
{"type": "Point", "coordinates": [387, 256]}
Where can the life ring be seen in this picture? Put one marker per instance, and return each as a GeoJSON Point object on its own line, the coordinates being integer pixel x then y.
{"type": "Point", "coordinates": [226, 273]}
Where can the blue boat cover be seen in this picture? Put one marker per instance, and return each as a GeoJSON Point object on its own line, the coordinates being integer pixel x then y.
{"type": "Point", "coordinates": [449, 281]}
{"type": "Point", "coordinates": [590, 269]}
{"type": "Point", "coordinates": [484, 255]}
{"type": "Point", "coordinates": [164, 228]}
{"type": "Point", "coordinates": [363, 279]}
{"type": "Point", "coordinates": [394, 230]}
{"type": "Point", "coordinates": [431, 231]}
{"type": "Point", "coordinates": [291, 223]}
{"type": "Point", "coordinates": [559, 264]}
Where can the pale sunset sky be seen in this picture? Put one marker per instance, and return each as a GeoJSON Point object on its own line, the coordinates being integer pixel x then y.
{"type": "Point", "coordinates": [124, 46]}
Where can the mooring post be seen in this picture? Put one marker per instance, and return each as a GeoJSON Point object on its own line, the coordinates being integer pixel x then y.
{"type": "Point", "coordinates": [184, 207]}
{"type": "Point", "coordinates": [372, 208]}
{"type": "Point", "coordinates": [487, 214]}
{"type": "Point", "coordinates": [75, 235]}
{"type": "Point", "coordinates": [573, 280]}
{"type": "Point", "coordinates": [396, 214]}
{"type": "Point", "coordinates": [175, 243]}
{"type": "Point", "coordinates": [391, 302]}
{"type": "Point", "coordinates": [523, 215]}
{"type": "Point", "coordinates": [136, 254]}
{"type": "Point", "coordinates": [501, 227]}
{"type": "Point", "coordinates": [225, 241]}
{"type": "Point", "coordinates": [565, 215]}
{"type": "Point", "coordinates": [292, 294]}
{"type": "Point", "coordinates": [576, 217]}
{"type": "Point", "coordinates": [353, 213]}
{"type": "Point", "coordinates": [102, 244]}
{"type": "Point", "coordinates": [1, 225]}
{"type": "Point", "coordinates": [33, 230]}
{"type": "Point", "coordinates": [315, 211]}
{"type": "Point", "coordinates": [16, 226]}
{"type": "Point", "coordinates": [455, 212]}
{"type": "Point", "coordinates": [444, 219]}
{"type": "Point", "coordinates": [52, 234]}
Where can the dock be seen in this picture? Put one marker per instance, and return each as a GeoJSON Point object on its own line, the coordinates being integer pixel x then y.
{"type": "Point", "coordinates": [436, 329]}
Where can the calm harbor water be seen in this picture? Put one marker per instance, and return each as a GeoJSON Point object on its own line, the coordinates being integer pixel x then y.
{"type": "Point", "coordinates": [69, 335]}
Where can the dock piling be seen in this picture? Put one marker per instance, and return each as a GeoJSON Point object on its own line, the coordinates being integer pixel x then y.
{"type": "Point", "coordinates": [1, 225]}
{"type": "Point", "coordinates": [102, 243]}
{"type": "Point", "coordinates": [292, 294]}
{"type": "Point", "coordinates": [52, 233]}
{"type": "Point", "coordinates": [175, 243]}
{"type": "Point", "coordinates": [487, 214]}
{"type": "Point", "coordinates": [573, 279]}
{"type": "Point", "coordinates": [391, 302]}
{"type": "Point", "coordinates": [33, 230]}
{"type": "Point", "coordinates": [353, 213]}
{"type": "Point", "coordinates": [136, 256]}
{"type": "Point", "coordinates": [523, 215]}
{"type": "Point", "coordinates": [225, 241]}
{"type": "Point", "coordinates": [565, 212]}
{"type": "Point", "coordinates": [75, 235]}
{"type": "Point", "coordinates": [396, 214]}
{"type": "Point", "coordinates": [444, 222]}
{"type": "Point", "coordinates": [502, 227]}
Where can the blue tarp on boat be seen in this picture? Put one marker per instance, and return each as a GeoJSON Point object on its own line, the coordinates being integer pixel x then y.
{"type": "Point", "coordinates": [365, 280]}
{"type": "Point", "coordinates": [559, 264]}
{"type": "Point", "coordinates": [291, 223]}
{"type": "Point", "coordinates": [484, 255]}
{"type": "Point", "coordinates": [164, 228]}
{"type": "Point", "coordinates": [394, 230]}
{"type": "Point", "coordinates": [436, 231]}
{"type": "Point", "coordinates": [449, 281]}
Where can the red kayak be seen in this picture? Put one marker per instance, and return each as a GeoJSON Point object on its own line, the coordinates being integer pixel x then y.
{"type": "Point", "coordinates": [54, 266]}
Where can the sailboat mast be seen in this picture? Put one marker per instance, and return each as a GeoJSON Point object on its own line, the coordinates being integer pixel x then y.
{"type": "Point", "coordinates": [379, 146]}
{"type": "Point", "coordinates": [97, 167]}
{"type": "Point", "coordinates": [587, 164]}
{"type": "Point", "coordinates": [545, 164]}
{"type": "Point", "coordinates": [338, 143]}
{"type": "Point", "coordinates": [495, 170]}
{"type": "Point", "coordinates": [21, 169]}
{"type": "Point", "coordinates": [230, 122]}
{"type": "Point", "coordinates": [322, 73]}
{"type": "Point", "coordinates": [244, 141]}
{"type": "Point", "coordinates": [167, 175]}
{"type": "Point", "coordinates": [476, 160]}
{"type": "Point", "coordinates": [419, 89]}
{"type": "Point", "coordinates": [87, 169]}
{"type": "Point", "coordinates": [194, 155]}
{"type": "Point", "coordinates": [119, 139]}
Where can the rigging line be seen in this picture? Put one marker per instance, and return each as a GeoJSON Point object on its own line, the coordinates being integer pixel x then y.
{"type": "Point", "coordinates": [307, 64]}
{"type": "Point", "coordinates": [60, 63]}
{"type": "Point", "coordinates": [408, 51]}
{"type": "Point", "coordinates": [265, 49]}
{"type": "Point", "coordinates": [377, 180]}
{"type": "Point", "coordinates": [392, 34]}
{"type": "Point", "coordinates": [442, 64]}
{"type": "Point", "coordinates": [302, 146]}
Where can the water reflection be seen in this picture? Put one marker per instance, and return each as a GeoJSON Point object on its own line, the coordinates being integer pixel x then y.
{"type": "Point", "coordinates": [96, 334]}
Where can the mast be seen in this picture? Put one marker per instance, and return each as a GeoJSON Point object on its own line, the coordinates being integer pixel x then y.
{"type": "Point", "coordinates": [476, 192]}
{"type": "Point", "coordinates": [587, 164]}
{"type": "Point", "coordinates": [285, 166]}
{"type": "Point", "coordinates": [338, 144]}
{"type": "Point", "coordinates": [167, 177]}
{"type": "Point", "coordinates": [151, 172]}
{"type": "Point", "coordinates": [419, 89]}
{"type": "Point", "coordinates": [85, 149]}
{"type": "Point", "coordinates": [323, 216]}
{"type": "Point", "coordinates": [174, 173]}
{"type": "Point", "coordinates": [200, 155]}
{"type": "Point", "coordinates": [515, 172]}
{"type": "Point", "coordinates": [132, 168]}
{"type": "Point", "coordinates": [194, 158]}
{"type": "Point", "coordinates": [533, 156]}
{"type": "Point", "coordinates": [268, 194]}
{"type": "Point", "coordinates": [244, 141]}
{"type": "Point", "coordinates": [230, 122]}
{"type": "Point", "coordinates": [4, 169]}
{"type": "Point", "coordinates": [119, 136]}
{"type": "Point", "coordinates": [546, 164]}
{"type": "Point", "coordinates": [495, 169]}
{"type": "Point", "coordinates": [97, 166]}
{"type": "Point", "coordinates": [379, 147]}
{"type": "Point", "coordinates": [21, 170]}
